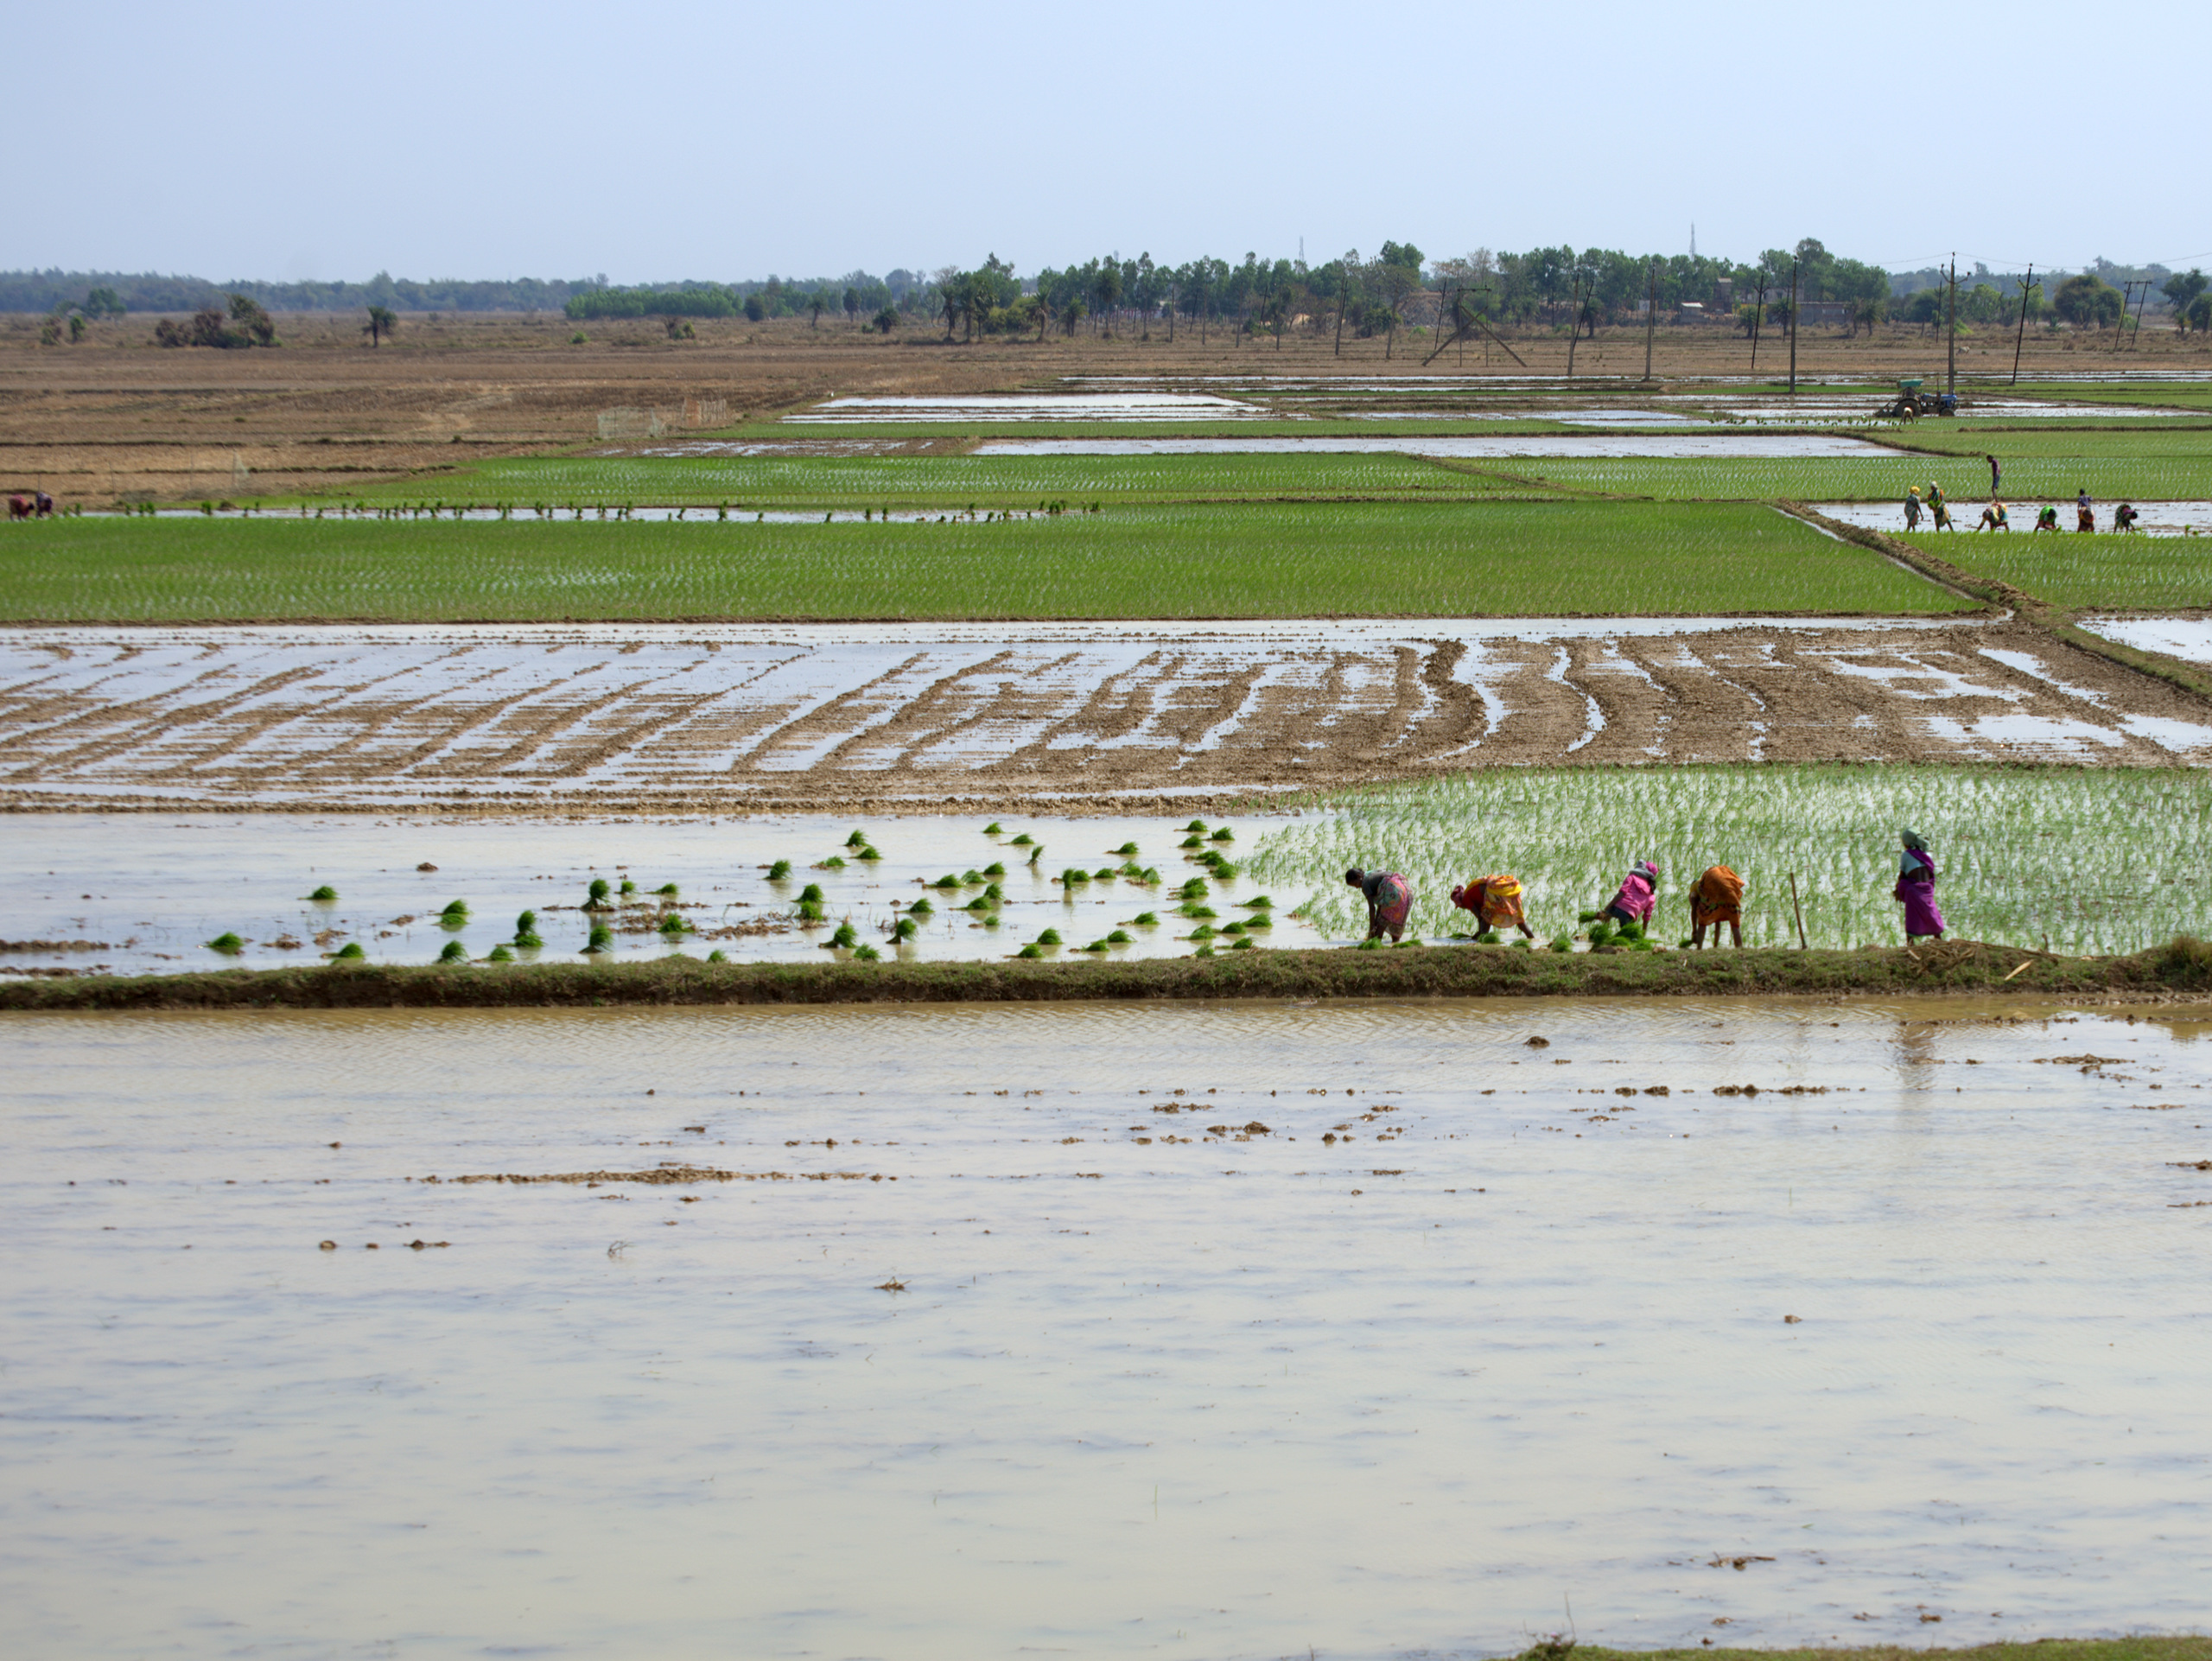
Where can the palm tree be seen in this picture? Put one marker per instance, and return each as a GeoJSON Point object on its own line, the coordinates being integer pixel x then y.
{"type": "Point", "coordinates": [382, 322]}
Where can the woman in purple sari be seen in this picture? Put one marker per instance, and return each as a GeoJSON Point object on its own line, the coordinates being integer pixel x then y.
{"type": "Point", "coordinates": [1916, 890]}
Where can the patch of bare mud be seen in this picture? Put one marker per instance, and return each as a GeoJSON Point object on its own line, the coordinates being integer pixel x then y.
{"type": "Point", "coordinates": [1122, 717]}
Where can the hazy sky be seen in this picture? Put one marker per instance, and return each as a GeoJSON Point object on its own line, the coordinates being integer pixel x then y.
{"type": "Point", "coordinates": [557, 139]}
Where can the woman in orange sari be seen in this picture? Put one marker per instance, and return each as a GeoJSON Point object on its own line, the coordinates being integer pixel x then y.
{"type": "Point", "coordinates": [1494, 900]}
{"type": "Point", "coordinates": [1717, 898]}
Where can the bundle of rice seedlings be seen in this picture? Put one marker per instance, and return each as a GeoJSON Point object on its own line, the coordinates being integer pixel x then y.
{"type": "Point", "coordinates": [1242, 945]}
{"type": "Point", "coordinates": [858, 839]}
{"type": "Point", "coordinates": [228, 944]}
{"type": "Point", "coordinates": [1096, 945]}
{"type": "Point", "coordinates": [1260, 904]}
{"type": "Point", "coordinates": [1203, 952]}
{"type": "Point", "coordinates": [834, 862]}
{"type": "Point", "coordinates": [981, 902]}
{"type": "Point", "coordinates": [326, 891]}
{"type": "Point", "coordinates": [903, 931]}
{"type": "Point", "coordinates": [1191, 842]}
{"type": "Point", "coordinates": [1105, 873]}
{"type": "Point", "coordinates": [1224, 835]}
{"type": "Point", "coordinates": [668, 890]}
{"type": "Point", "coordinates": [454, 952]}
{"type": "Point", "coordinates": [1023, 840]}
{"type": "Point", "coordinates": [628, 887]}
{"type": "Point", "coordinates": [809, 911]}
{"type": "Point", "coordinates": [1488, 936]}
{"type": "Point", "coordinates": [455, 915]}
{"type": "Point", "coordinates": [1196, 825]}
{"type": "Point", "coordinates": [351, 952]}
{"type": "Point", "coordinates": [1232, 928]}
{"type": "Point", "coordinates": [1073, 876]}
{"type": "Point", "coordinates": [867, 854]}
{"type": "Point", "coordinates": [810, 895]}
{"type": "Point", "coordinates": [866, 954]}
{"type": "Point", "coordinates": [1144, 919]}
{"type": "Point", "coordinates": [1194, 889]}
{"type": "Point", "coordinates": [1127, 850]}
{"type": "Point", "coordinates": [969, 879]}
{"type": "Point", "coordinates": [499, 954]}
{"type": "Point", "coordinates": [672, 923]}
{"type": "Point", "coordinates": [1561, 943]}
{"type": "Point", "coordinates": [844, 937]}
{"type": "Point", "coordinates": [995, 870]}
{"type": "Point", "coordinates": [1029, 951]}
{"type": "Point", "coordinates": [1050, 937]}
{"type": "Point", "coordinates": [1191, 909]}
{"type": "Point", "coordinates": [1203, 932]}
{"type": "Point", "coordinates": [921, 909]}
{"type": "Point", "coordinates": [602, 939]}
{"type": "Point", "coordinates": [1035, 854]}
{"type": "Point", "coordinates": [779, 870]}
{"type": "Point", "coordinates": [1119, 937]}
{"type": "Point", "coordinates": [717, 956]}
{"type": "Point", "coordinates": [992, 829]}
{"type": "Point", "coordinates": [948, 880]}
{"type": "Point", "coordinates": [595, 896]}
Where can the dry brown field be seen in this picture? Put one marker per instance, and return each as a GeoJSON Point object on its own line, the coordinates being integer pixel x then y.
{"type": "Point", "coordinates": [118, 418]}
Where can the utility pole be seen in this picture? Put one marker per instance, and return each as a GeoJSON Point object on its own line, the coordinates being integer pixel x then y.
{"type": "Point", "coordinates": [1651, 307]}
{"type": "Point", "coordinates": [2020, 339]}
{"type": "Point", "coordinates": [1573, 329]}
{"type": "Point", "coordinates": [1951, 332]}
{"type": "Point", "coordinates": [2126, 293]}
{"type": "Point", "coordinates": [1758, 311]}
{"type": "Point", "coordinates": [1344, 298]}
{"type": "Point", "coordinates": [1793, 327]}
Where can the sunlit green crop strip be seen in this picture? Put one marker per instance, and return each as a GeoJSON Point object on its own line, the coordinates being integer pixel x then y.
{"type": "Point", "coordinates": [940, 481]}
{"type": "Point", "coordinates": [1364, 559]}
{"type": "Point", "coordinates": [1879, 477]}
{"type": "Point", "coordinates": [2129, 573]}
{"type": "Point", "coordinates": [2093, 860]}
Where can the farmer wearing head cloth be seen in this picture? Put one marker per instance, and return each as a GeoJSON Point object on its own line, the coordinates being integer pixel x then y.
{"type": "Point", "coordinates": [1494, 900]}
{"type": "Point", "coordinates": [1717, 898]}
{"type": "Point", "coordinates": [1915, 890]}
{"type": "Point", "coordinates": [1633, 902]}
{"type": "Point", "coordinates": [1390, 900]}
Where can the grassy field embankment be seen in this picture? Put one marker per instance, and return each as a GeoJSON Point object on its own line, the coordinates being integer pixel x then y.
{"type": "Point", "coordinates": [1250, 560]}
{"type": "Point", "coordinates": [1955, 967]}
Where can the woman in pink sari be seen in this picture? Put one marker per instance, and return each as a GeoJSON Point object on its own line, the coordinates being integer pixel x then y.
{"type": "Point", "coordinates": [1390, 900]}
{"type": "Point", "coordinates": [1916, 890]}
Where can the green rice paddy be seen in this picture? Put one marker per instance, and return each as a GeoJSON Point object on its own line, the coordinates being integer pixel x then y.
{"type": "Point", "coordinates": [1253, 560]}
{"type": "Point", "coordinates": [2094, 860]}
{"type": "Point", "coordinates": [2182, 473]}
{"type": "Point", "coordinates": [2101, 572]}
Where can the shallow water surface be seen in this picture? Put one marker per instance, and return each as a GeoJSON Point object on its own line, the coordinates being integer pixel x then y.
{"type": "Point", "coordinates": [1170, 1373]}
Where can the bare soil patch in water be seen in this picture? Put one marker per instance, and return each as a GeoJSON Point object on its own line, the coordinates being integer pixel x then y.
{"type": "Point", "coordinates": [1100, 717]}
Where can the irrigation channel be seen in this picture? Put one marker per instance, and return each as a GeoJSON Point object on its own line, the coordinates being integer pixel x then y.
{"type": "Point", "coordinates": [1193, 1331]}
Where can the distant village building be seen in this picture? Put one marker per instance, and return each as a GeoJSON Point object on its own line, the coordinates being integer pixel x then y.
{"type": "Point", "coordinates": [1826, 314]}
{"type": "Point", "coordinates": [1724, 294]}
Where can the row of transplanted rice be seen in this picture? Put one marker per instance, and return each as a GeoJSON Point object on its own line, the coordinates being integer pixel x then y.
{"type": "Point", "coordinates": [994, 481]}
{"type": "Point", "coordinates": [1355, 559]}
{"type": "Point", "coordinates": [2129, 573]}
{"type": "Point", "coordinates": [1881, 475]}
{"type": "Point", "coordinates": [2096, 861]}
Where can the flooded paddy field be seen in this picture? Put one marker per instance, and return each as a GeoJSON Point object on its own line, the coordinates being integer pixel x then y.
{"type": "Point", "coordinates": [1670, 446]}
{"type": "Point", "coordinates": [1203, 1331]}
{"type": "Point", "coordinates": [140, 895]}
{"type": "Point", "coordinates": [2159, 518]}
{"type": "Point", "coordinates": [1108, 717]}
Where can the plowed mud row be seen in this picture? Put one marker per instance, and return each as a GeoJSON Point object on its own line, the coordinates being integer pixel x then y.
{"type": "Point", "coordinates": [605, 719]}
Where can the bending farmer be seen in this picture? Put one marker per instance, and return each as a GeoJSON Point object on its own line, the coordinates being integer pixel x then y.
{"type": "Point", "coordinates": [1390, 899]}
{"type": "Point", "coordinates": [1495, 900]}
{"type": "Point", "coordinates": [1717, 898]}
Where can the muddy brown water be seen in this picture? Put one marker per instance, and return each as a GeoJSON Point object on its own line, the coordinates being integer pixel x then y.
{"type": "Point", "coordinates": [1158, 1382]}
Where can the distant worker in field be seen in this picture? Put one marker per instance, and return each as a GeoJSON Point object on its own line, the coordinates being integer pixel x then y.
{"type": "Point", "coordinates": [1993, 518]}
{"type": "Point", "coordinates": [45, 504]}
{"type": "Point", "coordinates": [1996, 474]}
{"type": "Point", "coordinates": [1916, 890]}
{"type": "Point", "coordinates": [1495, 900]}
{"type": "Point", "coordinates": [1912, 509]}
{"type": "Point", "coordinates": [2047, 520]}
{"type": "Point", "coordinates": [2124, 517]}
{"type": "Point", "coordinates": [1632, 901]}
{"type": "Point", "coordinates": [1390, 900]}
{"type": "Point", "coordinates": [1940, 505]}
{"type": "Point", "coordinates": [2085, 510]}
{"type": "Point", "coordinates": [1717, 898]}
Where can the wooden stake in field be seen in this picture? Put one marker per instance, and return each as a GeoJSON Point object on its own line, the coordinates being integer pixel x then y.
{"type": "Point", "coordinates": [1793, 327]}
{"type": "Point", "coordinates": [1951, 332]}
{"type": "Point", "coordinates": [1800, 912]}
{"type": "Point", "coordinates": [2021, 339]}
{"type": "Point", "coordinates": [1650, 313]}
